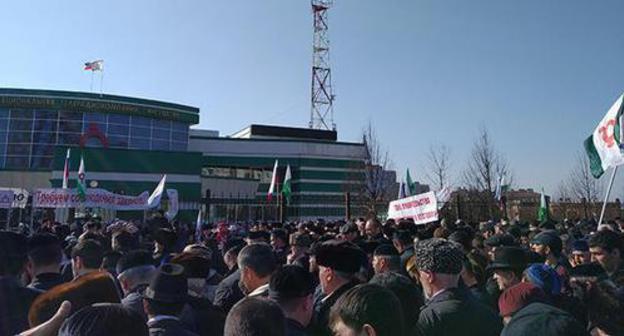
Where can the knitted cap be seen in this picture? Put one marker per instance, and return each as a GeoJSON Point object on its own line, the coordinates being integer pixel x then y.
{"type": "Point", "coordinates": [439, 255]}
{"type": "Point", "coordinates": [518, 297]}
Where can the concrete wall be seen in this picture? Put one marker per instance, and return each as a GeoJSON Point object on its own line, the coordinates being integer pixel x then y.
{"type": "Point", "coordinates": [28, 180]}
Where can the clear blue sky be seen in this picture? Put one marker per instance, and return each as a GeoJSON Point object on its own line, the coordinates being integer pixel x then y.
{"type": "Point", "coordinates": [538, 74]}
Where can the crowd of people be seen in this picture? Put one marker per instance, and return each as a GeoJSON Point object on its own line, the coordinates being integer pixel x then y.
{"type": "Point", "coordinates": [359, 277]}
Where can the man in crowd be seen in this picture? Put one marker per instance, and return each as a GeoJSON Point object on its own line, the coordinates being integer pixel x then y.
{"type": "Point", "coordinates": [367, 310]}
{"type": "Point", "coordinates": [449, 310]}
{"type": "Point", "coordinates": [606, 248]}
{"type": "Point", "coordinates": [256, 263]}
{"type": "Point", "coordinates": [580, 253]}
{"type": "Point", "coordinates": [87, 257]}
{"type": "Point", "coordinates": [508, 265]}
{"type": "Point", "coordinates": [403, 242]}
{"type": "Point", "coordinates": [228, 292]}
{"type": "Point", "coordinates": [548, 245]}
{"type": "Point", "coordinates": [44, 255]}
{"type": "Point", "coordinates": [253, 316]}
{"type": "Point", "coordinates": [386, 259]}
{"type": "Point", "coordinates": [279, 243]}
{"type": "Point", "coordinates": [15, 299]}
{"type": "Point", "coordinates": [164, 300]}
{"type": "Point", "coordinates": [338, 261]}
{"type": "Point", "coordinates": [135, 271]}
{"type": "Point", "coordinates": [292, 287]}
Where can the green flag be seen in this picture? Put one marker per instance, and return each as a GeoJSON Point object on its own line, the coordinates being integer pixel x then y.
{"type": "Point", "coordinates": [286, 189]}
{"type": "Point", "coordinates": [542, 213]}
{"type": "Point", "coordinates": [409, 184]}
{"type": "Point", "coordinates": [81, 186]}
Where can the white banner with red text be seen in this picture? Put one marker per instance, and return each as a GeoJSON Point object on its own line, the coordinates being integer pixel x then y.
{"type": "Point", "coordinates": [422, 208]}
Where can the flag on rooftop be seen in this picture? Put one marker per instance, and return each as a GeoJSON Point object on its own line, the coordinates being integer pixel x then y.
{"type": "Point", "coordinates": [604, 146]}
{"type": "Point", "coordinates": [273, 186]}
{"type": "Point", "coordinates": [95, 65]}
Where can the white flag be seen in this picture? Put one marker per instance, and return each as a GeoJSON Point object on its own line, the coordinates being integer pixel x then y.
{"type": "Point", "coordinates": [154, 199]}
{"type": "Point", "coordinates": [603, 147]}
{"type": "Point", "coordinates": [273, 182]}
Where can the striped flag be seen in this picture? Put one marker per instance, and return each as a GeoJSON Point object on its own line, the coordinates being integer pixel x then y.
{"type": "Point", "coordinates": [604, 146]}
{"type": "Point", "coordinates": [94, 66]}
{"type": "Point", "coordinates": [273, 185]}
{"type": "Point", "coordinates": [66, 170]}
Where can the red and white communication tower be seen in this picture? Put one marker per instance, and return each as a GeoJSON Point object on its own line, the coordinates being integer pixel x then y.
{"type": "Point", "coordinates": [322, 111]}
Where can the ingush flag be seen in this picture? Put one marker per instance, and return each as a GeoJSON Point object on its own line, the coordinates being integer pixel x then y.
{"type": "Point", "coordinates": [81, 186]}
{"type": "Point", "coordinates": [286, 187]}
{"type": "Point", "coordinates": [603, 147]}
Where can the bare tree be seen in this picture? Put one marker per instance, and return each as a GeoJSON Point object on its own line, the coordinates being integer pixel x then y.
{"type": "Point", "coordinates": [438, 166]}
{"type": "Point", "coordinates": [484, 167]}
{"type": "Point", "coordinates": [377, 188]}
{"type": "Point", "coordinates": [581, 184]}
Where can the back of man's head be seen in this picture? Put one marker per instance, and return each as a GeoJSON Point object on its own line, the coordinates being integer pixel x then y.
{"type": "Point", "coordinates": [255, 317]}
{"type": "Point", "coordinates": [409, 295]}
{"type": "Point", "coordinates": [13, 253]}
{"type": "Point", "coordinates": [44, 249]}
{"type": "Point", "coordinates": [607, 240]}
{"type": "Point", "coordinates": [289, 286]}
{"type": "Point", "coordinates": [367, 307]}
{"type": "Point", "coordinates": [135, 268]}
{"type": "Point", "coordinates": [259, 258]}
{"type": "Point", "coordinates": [104, 319]}
{"type": "Point", "coordinates": [91, 253]}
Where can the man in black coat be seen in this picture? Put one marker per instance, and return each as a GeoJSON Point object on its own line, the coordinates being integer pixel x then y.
{"type": "Point", "coordinates": [15, 299]}
{"type": "Point", "coordinates": [292, 287]}
{"type": "Point", "coordinates": [449, 310]}
{"type": "Point", "coordinates": [338, 261]}
{"type": "Point", "coordinates": [164, 299]}
{"type": "Point", "coordinates": [228, 292]}
{"type": "Point", "coordinates": [45, 255]}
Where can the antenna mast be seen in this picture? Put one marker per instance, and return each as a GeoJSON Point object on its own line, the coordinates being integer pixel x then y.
{"type": "Point", "coordinates": [322, 110]}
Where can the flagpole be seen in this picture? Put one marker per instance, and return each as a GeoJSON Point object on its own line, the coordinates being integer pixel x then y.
{"type": "Point", "coordinates": [101, 82]}
{"type": "Point", "coordinates": [91, 86]}
{"type": "Point", "coordinates": [604, 204]}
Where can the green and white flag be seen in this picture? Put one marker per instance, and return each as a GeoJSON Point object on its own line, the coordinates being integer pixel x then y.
{"type": "Point", "coordinates": [410, 189]}
{"type": "Point", "coordinates": [542, 212]}
{"type": "Point", "coordinates": [286, 188]}
{"type": "Point", "coordinates": [603, 146]}
{"type": "Point", "coordinates": [81, 187]}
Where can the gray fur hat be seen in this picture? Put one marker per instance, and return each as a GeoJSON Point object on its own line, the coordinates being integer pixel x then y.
{"type": "Point", "coordinates": [438, 255]}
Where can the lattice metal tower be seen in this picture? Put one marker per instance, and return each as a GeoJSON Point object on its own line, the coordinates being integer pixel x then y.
{"type": "Point", "coordinates": [322, 111]}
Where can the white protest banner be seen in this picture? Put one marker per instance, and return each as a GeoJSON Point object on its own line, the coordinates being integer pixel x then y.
{"type": "Point", "coordinates": [6, 199]}
{"type": "Point", "coordinates": [172, 211]}
{"type": "Point", "coordinates": [423, 208]}
{"type": "Point", "coordinates": [95, 198]}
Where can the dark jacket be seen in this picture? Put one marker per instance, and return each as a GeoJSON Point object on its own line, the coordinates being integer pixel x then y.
{"type": "Point", "coordinates": [45, 281]}
{"type": "Point", "coordinates": [228, 292]}
{"type": "Point", "coordinates": [456, 312]}
{"type": "Point", "coordinates": [322, 308]}
{"type": "Point", "coordinates": [202, 317]}
{"type": "Point", "coordinates": [15, 301]}
{"type": "Point", "coordinates": [168, 327]}
{"type": "Point", "coordinates": [405, 255]}
{"type": "Point", "coordinates": [294, 328]}
{"type": "Point", "coordinates": [543, 320]}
